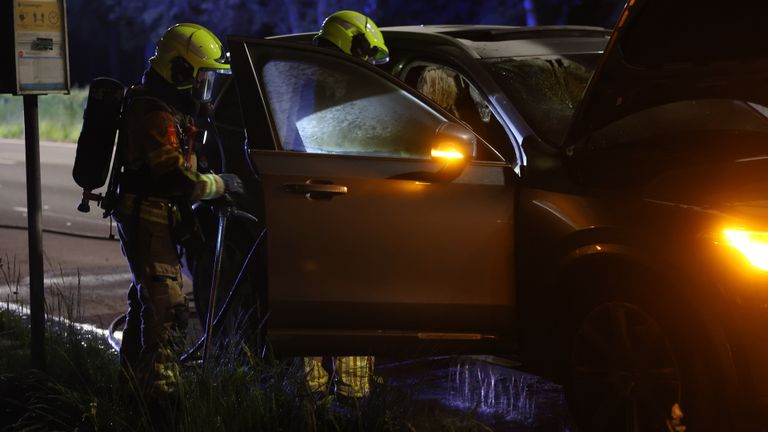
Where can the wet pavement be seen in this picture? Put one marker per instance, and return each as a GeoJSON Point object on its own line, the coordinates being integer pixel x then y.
{"type": "Point", "coordinates": [486, 388]}
{"type": "Point", "coordinates": [501, 397]}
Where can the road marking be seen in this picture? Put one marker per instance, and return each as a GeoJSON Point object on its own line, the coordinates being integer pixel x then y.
{"type": "Point", "coordinates": [58, 280]}
{"type": "Point", "coordinates": [42, 143]}
{"type": "Point", "coordinates": [67, 217]}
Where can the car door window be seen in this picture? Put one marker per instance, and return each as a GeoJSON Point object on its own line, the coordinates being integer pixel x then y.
{"type": "Point", "coordinates": [457, 95]}
{"type": "Point", "coordinates": [322, 104]}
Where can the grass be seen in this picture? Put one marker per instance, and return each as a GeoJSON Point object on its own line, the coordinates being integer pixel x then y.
{"type": "Point", "coordinates": [84, 389]}
{"type": "Point", "coordinates": [61, 116]}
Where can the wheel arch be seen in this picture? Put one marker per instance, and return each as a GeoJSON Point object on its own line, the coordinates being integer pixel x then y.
{"type": "Point", "coordinates": [582, 277]}
{"type": "Point", "coordinates": [574, 278]}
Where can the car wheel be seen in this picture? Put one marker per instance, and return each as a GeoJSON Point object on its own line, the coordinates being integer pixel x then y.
{"type": "Point", "coordinates": [637, 364]}
{"type": "Point", "coordinates": [625, 373]}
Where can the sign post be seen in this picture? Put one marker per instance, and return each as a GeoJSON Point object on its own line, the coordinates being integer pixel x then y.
{"type": "Point", "coordinates": [35, 232]}
{"type": "Point", "coordinates": [35, 61]}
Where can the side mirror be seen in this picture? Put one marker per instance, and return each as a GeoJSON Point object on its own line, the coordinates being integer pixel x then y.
{"type": "Point", "coordinates": [453, 148]}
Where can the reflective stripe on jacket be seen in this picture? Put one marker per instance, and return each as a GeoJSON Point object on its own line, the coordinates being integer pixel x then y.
{"type": "Point", "coordinates": [153, 148]}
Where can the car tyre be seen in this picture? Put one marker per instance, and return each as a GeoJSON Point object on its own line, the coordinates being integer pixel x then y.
{"type": "Point", "coordinates": [638, 360]}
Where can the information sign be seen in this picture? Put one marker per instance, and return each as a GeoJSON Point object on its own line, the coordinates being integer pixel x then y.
{"type": "Point", "coordinates": [40, 41]}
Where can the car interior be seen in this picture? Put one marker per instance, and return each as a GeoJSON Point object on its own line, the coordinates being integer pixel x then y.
{"type": "Point", "coordinates": [465, 102]}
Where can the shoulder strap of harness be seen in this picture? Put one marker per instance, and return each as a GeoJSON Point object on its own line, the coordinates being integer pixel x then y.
{"type": "Point", "coordinates": [135, 93]}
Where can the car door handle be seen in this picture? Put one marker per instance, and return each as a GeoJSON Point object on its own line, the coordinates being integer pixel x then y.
{"type": "Point", "coordinates": [315, 189]}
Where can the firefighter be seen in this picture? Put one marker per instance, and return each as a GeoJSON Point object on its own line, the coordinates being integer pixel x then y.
{"type": "Point", "coordinates": [157, 185]}
{"type": "Point", "coordinates": [357, 35]}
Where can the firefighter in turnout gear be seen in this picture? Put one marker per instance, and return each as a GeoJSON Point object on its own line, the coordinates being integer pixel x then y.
{"type": "Point", "coordinates": [158, 183]}
{"type": "Point", "coordinates": [357, 35]}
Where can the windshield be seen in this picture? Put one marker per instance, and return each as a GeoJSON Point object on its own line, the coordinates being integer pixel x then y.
{"type": "Point", "coordinates": [545, 89]}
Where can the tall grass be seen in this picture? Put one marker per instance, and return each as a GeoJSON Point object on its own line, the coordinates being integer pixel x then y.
{"type": "Point", "coordinates": [61, 116]}
{"type": "Point", "coordinates": [84, 389]}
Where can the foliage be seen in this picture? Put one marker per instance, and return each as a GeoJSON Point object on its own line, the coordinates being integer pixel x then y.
{"type": "Point", "coordinates": [61, 116]}
{"type": "Point", "coordinates": [115, 37]}
{"type": "Point", "coordinates": [603, 13]}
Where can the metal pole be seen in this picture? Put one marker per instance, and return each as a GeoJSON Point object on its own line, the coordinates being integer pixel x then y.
{"type": "Point", "coordinates": [223, 216]}
{"type": "Point", "coordinates": [35, 232]}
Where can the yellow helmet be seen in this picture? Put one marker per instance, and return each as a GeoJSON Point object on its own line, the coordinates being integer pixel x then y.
{"type": "Point", "coordinates": [355, 34]}
{"type": "Point", "coordinates": [189, 56]}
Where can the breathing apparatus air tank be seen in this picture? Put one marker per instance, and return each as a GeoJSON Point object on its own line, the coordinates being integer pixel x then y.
{"type": "Point", "coordinates": [96, 144]}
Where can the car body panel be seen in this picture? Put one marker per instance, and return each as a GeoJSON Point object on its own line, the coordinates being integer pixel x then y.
{"type": "Point", "coordinates": [333, 266]}
{"type": "Point", "coordinates": [450, 236]}
{"type": "Point", "coordinates": [667, 51]}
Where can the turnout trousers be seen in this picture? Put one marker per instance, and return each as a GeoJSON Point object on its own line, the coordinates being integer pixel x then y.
{"type": "Point", "coordinates": [157, 309]}
{"type": "Point", "coordinates": [352, 375]}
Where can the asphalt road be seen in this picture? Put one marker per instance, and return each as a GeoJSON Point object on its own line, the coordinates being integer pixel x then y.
{"type": "Point", "coordinates": [92, 269]}
{"type": "Point", "coordinates": [60, 193]}
{"type": "Point", "coordinates": [86, 281]}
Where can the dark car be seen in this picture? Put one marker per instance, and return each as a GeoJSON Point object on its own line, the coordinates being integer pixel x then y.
{"type": "Point", "coordinates": [597, 210]}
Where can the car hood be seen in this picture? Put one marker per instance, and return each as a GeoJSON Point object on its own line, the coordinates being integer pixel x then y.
{"type": "Point", "coordinates": [717, 170]}
{"type": "Point", "coordinates": [735, 186]}
{"type": "Point", "coordinates": [664, 51]}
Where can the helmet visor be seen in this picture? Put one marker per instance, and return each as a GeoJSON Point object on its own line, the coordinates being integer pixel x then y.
{"type": "Point", "coordinates": [361, 48]}
{"type": "Point", "coordinates": [377, 56]}
{"type": "Point", "coordinates": [203, 87]}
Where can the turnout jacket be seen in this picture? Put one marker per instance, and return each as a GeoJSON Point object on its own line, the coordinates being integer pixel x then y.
{"type": "Point", "coordinates": [157, 151]}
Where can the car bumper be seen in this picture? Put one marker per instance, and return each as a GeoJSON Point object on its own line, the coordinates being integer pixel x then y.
{"type": "Point", "coordinates": [747, 328]}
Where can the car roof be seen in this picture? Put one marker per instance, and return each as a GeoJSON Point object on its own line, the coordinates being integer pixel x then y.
{"type": "Point", "coordinates": [486, 41]}
{"type": "Point", "coordinates": [496, 32]}
{"type": "Point", "coordinates": [491, 41]}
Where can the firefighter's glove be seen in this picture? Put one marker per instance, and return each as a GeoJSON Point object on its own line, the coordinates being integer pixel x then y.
{"type": "Point", "coordinates": [232, 183]}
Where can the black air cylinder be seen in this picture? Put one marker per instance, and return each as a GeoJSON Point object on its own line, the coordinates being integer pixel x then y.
{"type": "Point", "coordinates": [96, 143]}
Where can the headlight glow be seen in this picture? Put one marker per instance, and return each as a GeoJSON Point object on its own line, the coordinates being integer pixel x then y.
{"type": "Point", "coordinates": [753, 244]}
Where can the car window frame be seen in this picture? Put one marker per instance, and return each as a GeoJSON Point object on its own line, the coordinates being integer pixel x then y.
{"type": "Point", "coordinates": [407, 47]}
{"type": "Point", "coordinates": [244, 47]}
{"type": "Point", "coordinates": [407, 65]}
{"type": "Point", "coordinates": [359, 100]}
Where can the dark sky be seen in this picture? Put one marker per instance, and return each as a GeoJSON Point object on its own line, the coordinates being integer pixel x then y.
{"type": "Point", "coordinates": [114, 37]}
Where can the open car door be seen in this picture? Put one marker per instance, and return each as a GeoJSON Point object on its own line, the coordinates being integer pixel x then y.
{"type": "Point", "coordinates": [367, 252]}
